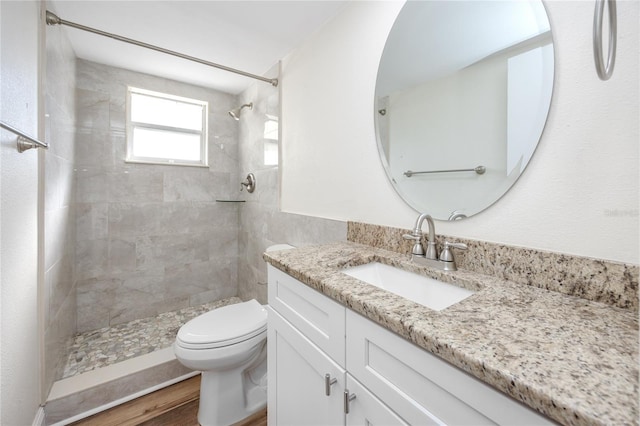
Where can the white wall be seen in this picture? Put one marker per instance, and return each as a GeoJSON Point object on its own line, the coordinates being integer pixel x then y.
{"type": "Point", "coordinates": [19, 358]}
{"type": "Point", "coordinates": [579, 194]}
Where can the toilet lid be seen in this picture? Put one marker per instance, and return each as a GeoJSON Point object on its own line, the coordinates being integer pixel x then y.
{"type": "Point", "coordinates": [224, 326]}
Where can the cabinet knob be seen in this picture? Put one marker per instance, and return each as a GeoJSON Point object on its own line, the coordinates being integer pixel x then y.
{"type": "Point", "coordinates": [348, 398]}
{"type": "Point", "coordinates": [328, 382]}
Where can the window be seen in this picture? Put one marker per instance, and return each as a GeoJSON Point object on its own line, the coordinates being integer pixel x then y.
{"type": "Point", "coordinates": [166, 129]}
{"type": "Point", "coordinates": [271, 141]}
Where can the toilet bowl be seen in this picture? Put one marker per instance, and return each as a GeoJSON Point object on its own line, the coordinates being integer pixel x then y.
{"type": "Point", "coordinates": [228, 345]}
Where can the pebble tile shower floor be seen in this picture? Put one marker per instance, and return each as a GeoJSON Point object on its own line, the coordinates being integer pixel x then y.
{"type": "Point", "coordinates": [109, 345]}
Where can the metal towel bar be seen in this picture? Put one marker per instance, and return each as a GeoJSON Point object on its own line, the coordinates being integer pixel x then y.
{"type": "Point", "coordinates": [479, 170]}
{"type": "Point", "coordinates": [25, 141]}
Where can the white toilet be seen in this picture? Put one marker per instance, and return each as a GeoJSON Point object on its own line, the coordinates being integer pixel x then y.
{"type": "Point", "coordinates": [228, 345]}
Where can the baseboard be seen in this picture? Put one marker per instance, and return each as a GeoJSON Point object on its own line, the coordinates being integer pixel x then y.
{"type": "Point", "coordinates": [39, 419]}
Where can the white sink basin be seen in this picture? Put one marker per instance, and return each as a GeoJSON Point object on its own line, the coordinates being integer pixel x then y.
{"type": "Point", "coordinates": [426, 291]}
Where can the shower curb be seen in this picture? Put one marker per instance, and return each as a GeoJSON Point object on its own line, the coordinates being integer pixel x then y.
{"type": "Point", "coordinates": [89, 393]}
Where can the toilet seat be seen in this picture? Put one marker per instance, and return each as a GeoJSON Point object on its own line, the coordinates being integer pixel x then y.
{"type": "Point", "coordinates": [224, 326]}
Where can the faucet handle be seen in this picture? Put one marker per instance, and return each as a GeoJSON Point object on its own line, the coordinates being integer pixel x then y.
{"type": "Point", "coordinates": [446, 255]}
{"type": "Point", "coordinates": [417, 249]}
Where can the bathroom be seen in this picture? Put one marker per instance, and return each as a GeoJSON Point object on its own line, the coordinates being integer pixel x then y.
{"type": "Point", "coordinates": [578, 196]}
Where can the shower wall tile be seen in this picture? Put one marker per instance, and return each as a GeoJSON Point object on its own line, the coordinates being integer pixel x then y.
{"type": "Point", "coordinates": [60, 129]}
{"type": "Point", "coordinates": [118, 150]}
{"type": "Point", "coordinates": [135, 311]}
{"type": "Point", "coordinates": [94, 299]}
{"type": "Point", "coordinates": [130, 219]}
{"type": "Point", "coordinates": [92, 259]}
{"type": "Point", "coordinates": [212, 295]}
{"type": "Point", "coordinates": [223, 241]}
{"type": "Point", "coordinates": [57, 337]}
{"type": "Point", "coordinates": [93, 148]}
{"type": "Point", "coordinates": [92, 221]}
{"type": "Point", "coordinates": [122, 256]}
{"type": "Point", "coordinates": [91, 186]}
{"type": "Point", "coordinates": [59, 285]}
{"type": "Point", "coordinates": [188, 217]}
{"type": "Point", "coordinates": [117, 111]}
{"type": "Point", "coordinates": [59, 171]}
{"type": "Point", "coordinates": [154, 252]}
{"type": "Point", "coordinates": [135, 185]}
{"type": "Point", "coordinates": [59, 232]}
{"type": "Point", "coordinates": [92, 109]}
{"type": "Point", "coordinates": [149, 236]}
{"type": "Point", "coordinates": [196, 277]}
{"type": "Point", "coordinates": [223, 154]}
{"type": "Point", "coordinates": [139, 290]}
{"type": "Point", "coordinates": [197, 184]}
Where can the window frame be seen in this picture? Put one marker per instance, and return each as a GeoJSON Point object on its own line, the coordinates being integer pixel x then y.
{"type": "Point", "coordinates": [132, 125]}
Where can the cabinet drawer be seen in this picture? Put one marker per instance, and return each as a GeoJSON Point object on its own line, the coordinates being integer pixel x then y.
{"type": "Point", "coordinates": [318, 317]}
{"type": "Point", "coordinates": [422, 388]}
{"type": "Point", "coordinates": [366, 409]}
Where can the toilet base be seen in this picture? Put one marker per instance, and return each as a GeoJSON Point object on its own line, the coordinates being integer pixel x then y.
{"type": "Point", "coordinates": [227, 397]}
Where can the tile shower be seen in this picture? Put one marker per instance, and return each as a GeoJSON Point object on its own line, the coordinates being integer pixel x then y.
{"type": "Point", "coordinates": [139, 240]}
{"type": "Point", "coordinates": [150, 238]}
{"type": "Point", "coordinates": [137, 250]}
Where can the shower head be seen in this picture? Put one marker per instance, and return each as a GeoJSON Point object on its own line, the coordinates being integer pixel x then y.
{"type": "Point", "coordinates": [235, 113]}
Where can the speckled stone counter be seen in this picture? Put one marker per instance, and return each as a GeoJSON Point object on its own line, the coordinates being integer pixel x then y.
{"type": "Point", "coordinates": [570, 358]}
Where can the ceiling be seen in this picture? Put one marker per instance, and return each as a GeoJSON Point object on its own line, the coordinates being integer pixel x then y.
{"type": "Point", "coordinates": [251, 36]}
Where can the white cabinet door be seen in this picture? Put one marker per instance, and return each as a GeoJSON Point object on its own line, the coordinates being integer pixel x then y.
{"type": "Point", "coordinates": [366, 409]}
{"type": "Point", "coordinates": [297, 388]}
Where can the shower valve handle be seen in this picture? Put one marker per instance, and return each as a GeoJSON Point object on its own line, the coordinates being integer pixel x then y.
{"type": "Point", "coordinates": [249, 183]}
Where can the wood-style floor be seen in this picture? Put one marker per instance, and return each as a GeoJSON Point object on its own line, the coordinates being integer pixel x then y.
{"type": "Point", "coordinates": [176, 405]}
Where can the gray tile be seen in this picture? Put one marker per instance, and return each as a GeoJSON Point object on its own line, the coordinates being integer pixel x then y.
{"type": "Point", "coordinates": [91, 185]}
{"type": "Point", "coordinates": [59, 231]}
{"type": "Point", "coordinates": [92, 221]}
{"type": "Point", "coordinates": [135, 219]}
{"type": "Point", "coordinates": [194, 278]}
{"type": "Point", "coordinates": [94, 300]}
{"type": "Point", "coordinates": [122, 256]}
{"type": "Point", "coordinates": [194, 184]}
{"type": "Point", "coordinates": [135, 184]}
{"type": "Point", "coordinates": [92, 258]}
{"type": "Point", "coordinates": [92, 108]}
{"type": "Point", "coordinates": [59, 283]}
{"type": "Point", "coordinates": [93, 149]}
{"type": "Point", "coordinates": [157, 252]}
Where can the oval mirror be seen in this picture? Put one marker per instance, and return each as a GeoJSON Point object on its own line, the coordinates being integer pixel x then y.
{"type": "Point", "coordinates": [462, 97]}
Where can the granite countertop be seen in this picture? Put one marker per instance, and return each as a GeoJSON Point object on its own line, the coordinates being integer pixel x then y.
{"type": "Point", "coordinates": [572, 359]}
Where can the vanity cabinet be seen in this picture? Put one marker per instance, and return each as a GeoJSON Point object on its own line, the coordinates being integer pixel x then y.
{"type": "Point", "coordinates": [328, 365]}
{"type": "Point", "coordinates": [306, 354]}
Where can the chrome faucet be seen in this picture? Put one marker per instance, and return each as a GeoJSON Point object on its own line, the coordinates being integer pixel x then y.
{"type": "Point", "coordinates": [430, 256]}
{"type": "Point", "coordinates": [416, 235]}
